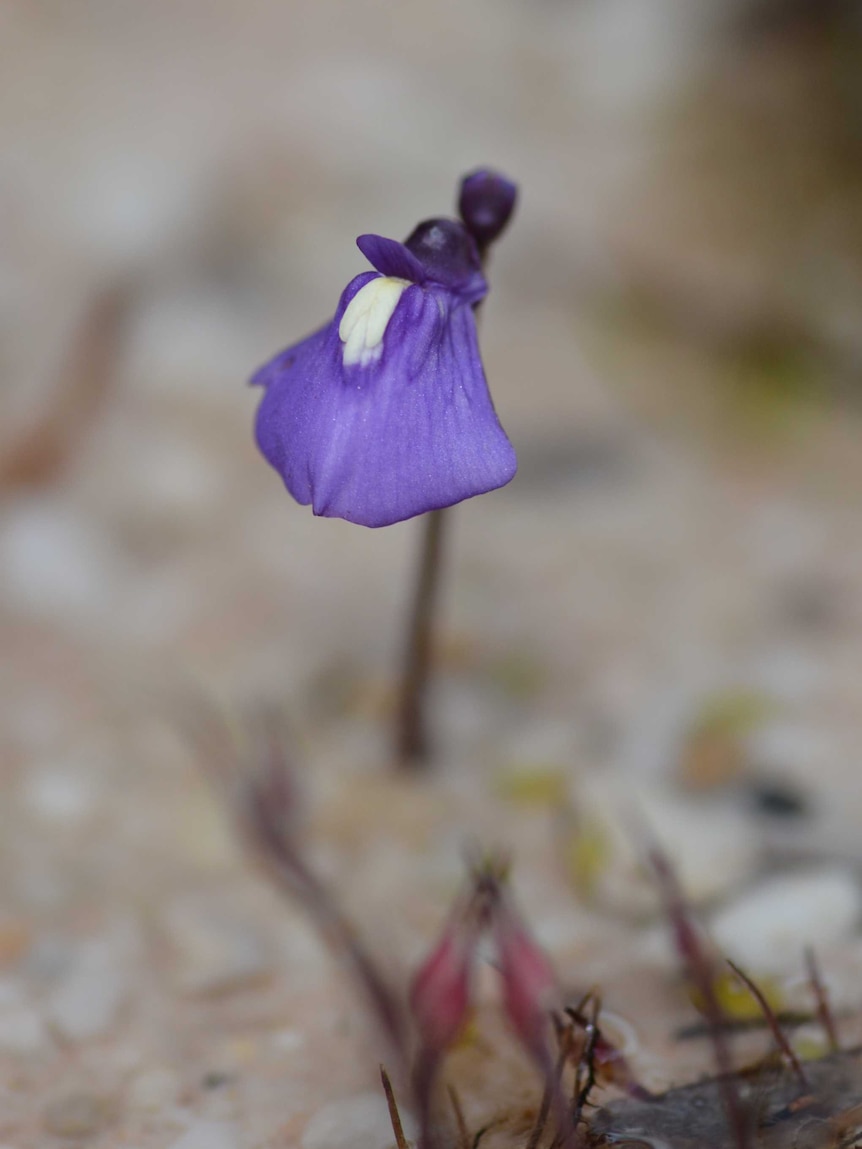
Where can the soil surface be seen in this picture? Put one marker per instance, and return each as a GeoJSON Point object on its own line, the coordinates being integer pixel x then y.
{"type": "Point", "coordinates": [662, 613]}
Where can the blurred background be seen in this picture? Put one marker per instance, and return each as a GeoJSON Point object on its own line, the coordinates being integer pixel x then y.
{"type": "Point", "coordinates": [667, 600]}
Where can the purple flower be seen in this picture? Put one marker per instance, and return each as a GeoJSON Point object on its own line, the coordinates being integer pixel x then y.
{"type": "Point", "coordinates": [384, 413]}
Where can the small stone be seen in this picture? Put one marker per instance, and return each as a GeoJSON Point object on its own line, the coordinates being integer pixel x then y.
{"type": "Point", "coordinates": [153, 1089]}
{"type": "Point", "coordinates": [790, 673]}
{"type": "Point", "coordinates": [287, 1040]}
{"type": "Point", "coordinates": [712, 848]}
{"type": "Point", "coordinates": [170, 479]}
{"type": "Point", "coordinates": [778, 799]}
{"type": "Point", "coordinates": [207, 1135]}
{"type": "Point", "coordinates": [54, 562]}
{"type": "Point", "coordinates": [236, 1054]}
{"type": "Point", "coordinates": [768, 927]}
{"type": "Point", "coordinates": [205, 833]}
{"type": "Point", "coordinates": [11, 993]}
{"type": "Point", "coordinates": [86, 1003]}
{"type": "Point", "coordinates": [58, 794]}
{"type": "Point", "coordinates": [21, 1031]}
{"type": "Point", "coordinates": [77, 1115]}
{"type": "Point", "coordinates": [786, 745]}
{"type": "Point", "coordinates": [360, 1122]}
{"type": "Point", "coordinates": [218, 948]}
{"type": "Point", "coordinates": [94, 986]}
{"type": "Point", "coordinates": [216, 1080]}
{"type": "Point", "coordinates": [49, 958]}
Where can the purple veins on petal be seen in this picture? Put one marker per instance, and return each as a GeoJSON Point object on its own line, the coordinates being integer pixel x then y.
{"type": "Point", "coordinates": [384, 413]}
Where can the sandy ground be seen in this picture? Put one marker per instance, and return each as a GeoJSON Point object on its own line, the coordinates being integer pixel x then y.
{"type": "Point", "coordinates": [664, 607]}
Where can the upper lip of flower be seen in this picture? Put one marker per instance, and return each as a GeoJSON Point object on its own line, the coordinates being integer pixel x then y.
{"type": "Point", "coordinates": [439, 252]}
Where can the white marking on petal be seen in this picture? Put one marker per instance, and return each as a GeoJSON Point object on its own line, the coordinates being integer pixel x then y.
{"type": "Point", "coordinates": [366, 318]}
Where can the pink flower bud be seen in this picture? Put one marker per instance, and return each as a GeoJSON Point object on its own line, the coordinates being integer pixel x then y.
{"type": "Point", "coordinates": [440, 993]}
{"type": "Point", "coordinates": [529, 983]}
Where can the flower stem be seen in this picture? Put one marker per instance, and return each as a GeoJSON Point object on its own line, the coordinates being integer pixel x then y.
{"type": "Point", "coordinates": [412, 746]}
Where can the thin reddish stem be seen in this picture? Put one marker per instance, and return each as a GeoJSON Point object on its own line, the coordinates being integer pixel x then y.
{"type": "Point", "coordinates": [772, 1021]}
{"type": "Point", "coordinates": [824, 1010]}
{"type": "Point", "coordinates": [700, 971]}
{"type": "Point", "coordinates": [412, 743]}
{"type": "Point", "coordinates": [401, 1141]}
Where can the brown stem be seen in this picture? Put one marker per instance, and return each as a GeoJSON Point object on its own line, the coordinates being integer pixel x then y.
{"type": "Point", "coordinates": [772, 1021]}
{"type": "Point", "coordinates": [34, 449]}
{"type": "Point", "coordinates": [412, 746]}
{"type": "Point", "coordinates": [552, 1094]}
{"type": "Point", "coordinates": [424, 1077]}
{"type": "Point", "coordinates": [401, 1141]}
{"type": "Point", "coordinates": [702, 975]}
{"type": "Point", "coordinates": [824, 1010]}
{"type": "Point", "coordinates": [259, 790]}
{"type": "Point", "coordinates": [463, 1134]}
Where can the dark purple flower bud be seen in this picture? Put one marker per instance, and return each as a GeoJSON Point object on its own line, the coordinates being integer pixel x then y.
{"type": "Point", "coordinates": [384, 413]}
{"type": "Point", "coordinates": [486, 203]}
{"type": "Point", "coordinates": [449, 255]}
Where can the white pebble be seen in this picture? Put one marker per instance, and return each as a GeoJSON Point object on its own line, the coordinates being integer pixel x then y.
{"type": "Point", "coordinates": [769, 927]}
{"type": "Point", "coordinates": [287, 1040]}
{"type": "Point", "coordinates": [789, 674]}
{"type": "Point", "coordinates": [54, 562]}
{"type": "Point", "coordinates": [712, 848]}
{"type": "Point", "coordinates": [58, 793]}
{"type": "Point", "coordinates": [169, 477]}
{"type": "Point", "coordinates": [781, 744]}
{"type": "Point", "coordinates": [21, 1031]}
{"type": "Point", "coordinates": [125, 207]}
{"type": "Point", "coordinates": [86, 1003]}
{"type": "Point", "coordinates": [217, 948]}
{"type": "Point", "coordinates": [11, 993]}
{"type": "Point", "coordinates": [89, 996]}
{"type": "Point", "coordinates": [153, 1089]}
{"type": "Point", "coordinates": [207, 1135]}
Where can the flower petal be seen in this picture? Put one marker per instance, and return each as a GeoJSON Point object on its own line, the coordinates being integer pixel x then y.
{"type": "Point", "coordinates": [292, 379]}
{"type": "Point", "coordinates": [378, 442]}
{"type": "Point", "coordinates": [391, 257]}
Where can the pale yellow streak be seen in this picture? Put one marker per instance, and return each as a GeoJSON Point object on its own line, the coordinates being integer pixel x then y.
{"type": "Point", "coordinates": [366, 318]}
